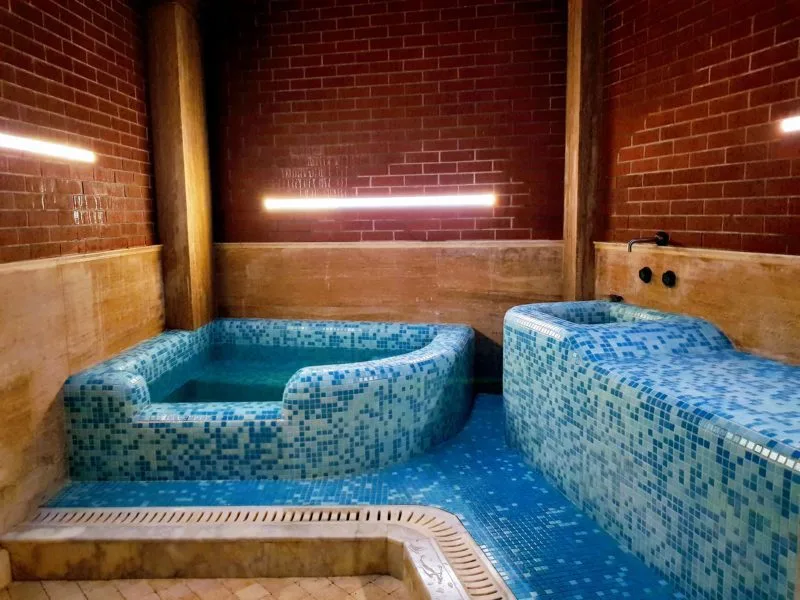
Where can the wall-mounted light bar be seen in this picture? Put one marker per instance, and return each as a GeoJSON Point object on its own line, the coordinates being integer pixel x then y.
{"type": "Point", "coordinates": [790, 125]}
{"type": "Point", "coordinates": [26, 144]}
{"type": "Point", "coordinates": [311, 204]}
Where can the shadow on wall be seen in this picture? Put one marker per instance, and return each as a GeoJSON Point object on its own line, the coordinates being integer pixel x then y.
{"type": "Point", "coordinates": [32, 443]}
{"type": "Point", "coordinates": [488, 370]}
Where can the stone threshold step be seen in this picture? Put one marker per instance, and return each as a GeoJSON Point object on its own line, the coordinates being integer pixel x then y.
{"type": "Point", "coordinates": [426, 548]}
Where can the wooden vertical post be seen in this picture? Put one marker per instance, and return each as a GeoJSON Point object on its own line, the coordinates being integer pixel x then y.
{"type": "Point", "coordinates": [582, 167]}
{"type": "Point", "coordinates": [180, 153]}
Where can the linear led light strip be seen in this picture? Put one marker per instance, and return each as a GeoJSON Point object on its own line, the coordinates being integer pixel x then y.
{"type": "Point", "coordinates": [26, 144]}
{"type": "Point", "coordinates": [309, 204]}
{"type": "Point", "coordinates": [790, 125]}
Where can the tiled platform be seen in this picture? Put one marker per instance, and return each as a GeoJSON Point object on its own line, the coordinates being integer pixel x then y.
{"type": "Point", "coordinates": [540, 543]}
{"type": "Point", "coordinates": [366, 587]}
{"type": "Point", "coordinates": [677, 444]}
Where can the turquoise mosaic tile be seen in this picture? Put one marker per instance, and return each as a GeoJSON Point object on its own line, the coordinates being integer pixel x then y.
{"type": "Point", "coordinates": [540, 543]}
{"type": "Point", "coordinates": [148, 414]}
{"type": "Point", "coordinates": [685, 450]}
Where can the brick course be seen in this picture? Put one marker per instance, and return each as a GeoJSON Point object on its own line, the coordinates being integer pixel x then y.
{"type": "Point", "coordinates": [346, 97]}
{"type": "Point", "coordinates": [73, 72]}
{"type": "Point", "coordinates": [694, 93]}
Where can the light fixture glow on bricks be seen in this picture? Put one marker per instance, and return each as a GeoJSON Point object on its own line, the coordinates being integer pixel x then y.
{"type": "Point", "coordinates": [53, 150]}
{"type": "Point", "coordinates": [312, 204]}
{"type": "Point", "coordinates": [790, 125]}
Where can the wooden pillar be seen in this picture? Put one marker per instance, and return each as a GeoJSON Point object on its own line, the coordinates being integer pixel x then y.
{"type": "Point", "coordinates": [181, 163]}
{"type": "Point", "coordinates": [582, 169]}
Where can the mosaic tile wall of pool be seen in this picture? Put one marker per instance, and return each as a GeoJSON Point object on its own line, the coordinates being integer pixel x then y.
{"type": "Point", "coordinates": [685, 450]}
{"type": "Point", "coordinates": [263, 399]}
{"type": "Point", "coordinates": [540, 543]}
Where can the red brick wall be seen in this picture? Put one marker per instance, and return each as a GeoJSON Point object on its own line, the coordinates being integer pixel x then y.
{"type": "Point", "coordinates": [354, 97]}
{"type": "Point", "coordinates": [695, 90]}
{"type": "Point", "coordinates": [73, 72]}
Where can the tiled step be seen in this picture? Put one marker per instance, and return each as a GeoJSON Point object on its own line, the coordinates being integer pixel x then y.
{"type": "Point", "coordinates": [426, 548]}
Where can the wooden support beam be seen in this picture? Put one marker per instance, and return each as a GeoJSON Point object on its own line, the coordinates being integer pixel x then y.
{"type": "Point", "coordinates": [582, 169]}
{"type": "Point", "coordinates": [180, 153]}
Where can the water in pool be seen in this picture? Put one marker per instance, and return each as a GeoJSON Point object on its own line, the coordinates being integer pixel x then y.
{"type": "Point", "coordinates": [249, 374]}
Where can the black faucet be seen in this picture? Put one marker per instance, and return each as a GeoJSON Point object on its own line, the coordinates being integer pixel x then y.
{"type": "Point", "coordinates": [661, 238]}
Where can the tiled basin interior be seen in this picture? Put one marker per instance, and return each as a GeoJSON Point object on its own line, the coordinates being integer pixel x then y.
{"type": "Point", "coordinates": [601, 313]}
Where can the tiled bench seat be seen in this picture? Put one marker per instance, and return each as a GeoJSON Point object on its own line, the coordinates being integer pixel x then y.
{"type": "Point", "coordinates": [686, 450]}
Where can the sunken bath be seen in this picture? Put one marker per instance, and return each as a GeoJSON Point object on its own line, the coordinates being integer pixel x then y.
{"type": "Point", "coordinates": [269, 399]}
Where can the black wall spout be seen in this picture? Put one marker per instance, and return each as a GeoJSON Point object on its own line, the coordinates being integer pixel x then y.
{"type": "Point", "coordinates": [661, 238]}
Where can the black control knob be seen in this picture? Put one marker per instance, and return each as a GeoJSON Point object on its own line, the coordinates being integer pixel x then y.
{"type": "Point", "coordinates": [646, 274]}
{"type": "Point", "coordinates": [669, 278]}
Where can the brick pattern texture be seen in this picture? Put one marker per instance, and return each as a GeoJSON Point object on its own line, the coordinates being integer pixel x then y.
{"type": "Point", "coordinates": [72, 72]}
{"type": "Point", "coordinates": [400, 97]}
{"type": "Point", "coordinates": [695, 91]}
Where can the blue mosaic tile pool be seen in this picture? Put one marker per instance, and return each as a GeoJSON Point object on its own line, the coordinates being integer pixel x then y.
{"type": "Point", "coordinates": [541, 544]}
{"type": "Point", "coordinates": [269, 398]}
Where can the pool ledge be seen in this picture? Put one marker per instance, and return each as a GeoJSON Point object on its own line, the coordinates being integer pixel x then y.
{"type": "Point", "coordinates": [427, 548]}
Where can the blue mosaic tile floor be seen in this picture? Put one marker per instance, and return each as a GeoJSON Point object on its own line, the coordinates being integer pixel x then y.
{"type": "Point", "coordinates": [541, 544]}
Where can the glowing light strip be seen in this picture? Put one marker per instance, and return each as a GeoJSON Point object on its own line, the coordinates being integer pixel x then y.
{"type": "Point", "coordinates": [25, 144]}
{"type": "Point", "coordinates": [307, 204]}
{"type": "Point", "coordinates": [790, 125]}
